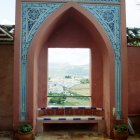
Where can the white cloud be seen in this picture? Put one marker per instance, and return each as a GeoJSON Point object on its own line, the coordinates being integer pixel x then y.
{"type": "Point", "coordinates": [138, 1]}
{"type": "Point", "coordinates": [70, 56]}
{"type": "Point", "coordinates": [7, 12]}
{"type": "Point", "coordinates": [6, 22]}
{"type": "Point", "coordinates": [133, 13]}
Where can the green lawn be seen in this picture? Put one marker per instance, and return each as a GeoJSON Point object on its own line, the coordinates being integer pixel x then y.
{"type": "Point", "coordinates": [77, 90]}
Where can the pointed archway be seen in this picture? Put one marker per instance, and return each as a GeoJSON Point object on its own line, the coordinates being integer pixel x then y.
{"type": "Point", "coordinates": [104, 44]}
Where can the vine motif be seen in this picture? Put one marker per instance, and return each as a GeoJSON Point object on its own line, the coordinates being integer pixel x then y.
{"type": "Point", "coordinates": [33, 15]}
{"type": "Point", "coordinates": [109, 17]}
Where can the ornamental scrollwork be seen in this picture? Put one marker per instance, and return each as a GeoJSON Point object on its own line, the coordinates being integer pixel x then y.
{"type": "Point", "coordinates": [109, 17]}
{"type": "Point", "coordinates": [33, 15]}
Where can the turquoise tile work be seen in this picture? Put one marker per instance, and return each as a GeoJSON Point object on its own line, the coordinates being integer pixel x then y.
{"type": "Point", "coordinates": [33, 16]}
{"type": "Point", "coordinates": [109, 17]}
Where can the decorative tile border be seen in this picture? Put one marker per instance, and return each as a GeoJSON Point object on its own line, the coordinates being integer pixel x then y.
{"type": "Point", "coordinates": [70, 111]}
{"type": "Point", "coordinates": [35, 13]}
{"type": "Point", "coordinates": [95, 108]}
{"type": "Point", "coordinates": [109, 17]}
{"type": "Point", "coordinates": [70, 118]}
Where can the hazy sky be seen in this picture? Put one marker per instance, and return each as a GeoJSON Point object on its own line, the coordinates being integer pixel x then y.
{"type": "Point", "coordinates": [7, 12]}
{"type": "Point", "coordinates": [69, 56]}
{"type": "Point", "coordinates": [133, 13]}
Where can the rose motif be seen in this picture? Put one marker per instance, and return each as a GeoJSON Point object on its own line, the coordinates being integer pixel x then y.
{"type": "Point", "coordinates": [108, 16]}
{"type": "Point", "coordinates": [33, 14]}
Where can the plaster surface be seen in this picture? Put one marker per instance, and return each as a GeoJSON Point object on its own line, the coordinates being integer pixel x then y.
{"type": "Point", "coordinates": [103, 30]}
{"type": "Point", "coordinates": [133, 80]}
{"type": "Point", "coordinates": [6, 86]}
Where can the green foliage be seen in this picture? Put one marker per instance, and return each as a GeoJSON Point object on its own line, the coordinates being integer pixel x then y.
{"type": "Point", "coordinates": [58, 100]}
{"type": "Point", "coordinates": [24, 128]}
{"type": "Point", "coordinates": [84, 81]}
{"type": "Point", "coordinates": [134, 43]}
{"type": "Point", "coordinates": [133, 37]}
{"type": "Point", "coordinates": [121, 128]}
{"type": "Point", "coordinates": [78, 95]}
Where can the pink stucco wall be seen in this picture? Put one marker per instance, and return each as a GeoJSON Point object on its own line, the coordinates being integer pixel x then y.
{"type": "Point", "coordinates": [72, 35]}
{"type": "Point", "coordinates": [134, 80]}
{"type": "Point", "coordinates": [6, 86]}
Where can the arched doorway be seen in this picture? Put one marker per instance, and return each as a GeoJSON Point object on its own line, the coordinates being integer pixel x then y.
{"type": "Point", "coordinates": [97, 38]}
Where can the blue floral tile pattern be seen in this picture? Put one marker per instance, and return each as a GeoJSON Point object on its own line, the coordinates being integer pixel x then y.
{"type": "Point", "coordinates": [109, 17]}
{"type": "Point", "coordinates": [35, 13]}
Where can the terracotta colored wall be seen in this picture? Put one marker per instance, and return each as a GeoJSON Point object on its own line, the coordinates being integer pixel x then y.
{"type": "Point", "coordinates": [42, 78]}
{"type": "Point", "coordinates": [6, 86]}
{"type": "Point", "coordinates": [134, 80]}
{"type": "Point", "coordinates": [70, 34]}
{"type": "Point", "coordinates": [6, 83]}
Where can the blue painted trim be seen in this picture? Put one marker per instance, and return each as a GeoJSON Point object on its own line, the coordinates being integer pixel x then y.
{"type": "Point", "coordinates": [33, 15]}
{"type": "Point", "coordinates": [46, 119]}
{"type": "Point", "coordinates": [95, 108]}
{"type": "Point", "coordinates": [109, 17]}
{"type": "Point", "coordinates": [62, 119]}
{"type": "Point", "coordinates": [70, 118]}
{"type": "Point", "coordinates": [76, 118]}
{"type": "Point", "coordinates": [118, 97]}
{"type": "Point", "coordinates": [23, 95]}
{"type": "Point", "coordinates": [91, 118]}
{"type": "Point", "coordinates": [81, 108]}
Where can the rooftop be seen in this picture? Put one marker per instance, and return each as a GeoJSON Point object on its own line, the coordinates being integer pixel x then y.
{"type": "Point", "coordinates": [133, 36]}
{"type": "Point", "coordinates": [7, 35]}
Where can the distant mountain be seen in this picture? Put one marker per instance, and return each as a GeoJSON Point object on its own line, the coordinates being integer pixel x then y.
{"type": "Point", "coordinates": [67, 69]}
